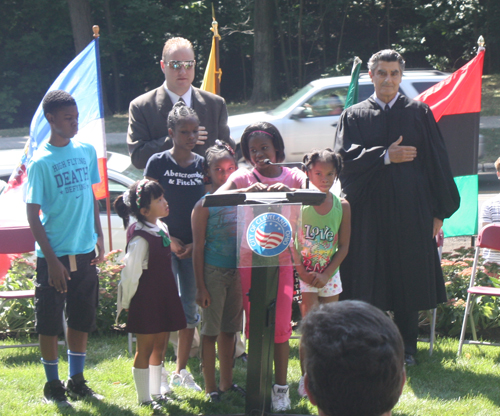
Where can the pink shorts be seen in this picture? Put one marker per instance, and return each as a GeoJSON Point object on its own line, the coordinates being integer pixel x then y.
{"type": "Point", "coordinates": [283, 328]}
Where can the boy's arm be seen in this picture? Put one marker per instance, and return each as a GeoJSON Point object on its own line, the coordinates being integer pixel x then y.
{"type": "Point", "coordinates": [100, 238]}
{"type": "Point", "coordinates": [58, 274]}
{"type": "Point", "coordinates": [199, 219]}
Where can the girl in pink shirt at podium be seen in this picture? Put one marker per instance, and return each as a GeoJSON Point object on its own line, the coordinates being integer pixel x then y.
{"type": "Point", "coordinates": [262, 143]}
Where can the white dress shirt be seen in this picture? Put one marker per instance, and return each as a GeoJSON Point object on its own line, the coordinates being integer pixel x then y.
{"type": "Point", "coordinates": [387, 160]}
{"type": "Point", "coordinates": [174, 97]}
{"type": "Point", "coordinates": [136, 260]}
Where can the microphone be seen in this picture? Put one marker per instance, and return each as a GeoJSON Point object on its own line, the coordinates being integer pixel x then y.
{"type": "Point", "coordinates": [293, 164]}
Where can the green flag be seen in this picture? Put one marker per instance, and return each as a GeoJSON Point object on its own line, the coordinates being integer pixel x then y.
{"type": "Point", "coordinates": [352, 94]}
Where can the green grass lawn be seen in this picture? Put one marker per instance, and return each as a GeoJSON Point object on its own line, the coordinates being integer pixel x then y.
{"type": "Point", "coordinates": [439, 385]}
{"type": "Point", "coordinates": [491, 139]}
{"type": "Point", "coordinates": [490, 95]}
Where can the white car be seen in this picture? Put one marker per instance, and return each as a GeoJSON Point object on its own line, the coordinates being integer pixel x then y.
{"type": "Point", "coordinates": [121, 174]}
{"type": "Point", "coordinates": [307, 119]}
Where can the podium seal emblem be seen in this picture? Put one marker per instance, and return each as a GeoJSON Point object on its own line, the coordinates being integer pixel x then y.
{"type": "Point", "coordinates": [269, 234]}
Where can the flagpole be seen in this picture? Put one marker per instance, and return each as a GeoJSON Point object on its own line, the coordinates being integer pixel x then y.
{"type": "Point", "coordinates": [218, 71]}
{"type": "Point", "coordinates": [95, 29]}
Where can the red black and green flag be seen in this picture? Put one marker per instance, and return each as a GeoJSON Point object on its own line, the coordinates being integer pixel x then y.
{"type": "Point", "coordinates": [456, 104]}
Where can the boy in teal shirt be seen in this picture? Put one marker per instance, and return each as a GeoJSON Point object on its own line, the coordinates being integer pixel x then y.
{"type": "Point", "coordinates": [60, 178]}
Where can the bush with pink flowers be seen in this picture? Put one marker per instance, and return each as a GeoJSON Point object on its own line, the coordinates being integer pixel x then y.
{"type": "Point", "coordinates": [457, 268]}
{"type": "Point", "coordinates": [18, 316]}
{"type": "Point", "coordinates": [109, 276]}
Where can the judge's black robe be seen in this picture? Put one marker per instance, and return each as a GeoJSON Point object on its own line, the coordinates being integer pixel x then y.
{"type": "Point", "coordinates": [393, 261]}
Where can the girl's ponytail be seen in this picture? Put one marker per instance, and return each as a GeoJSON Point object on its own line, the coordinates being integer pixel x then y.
{"type": "Point", "coordinates": [122, 209]}
{"type": "Point", "coordinates": [139, 195]}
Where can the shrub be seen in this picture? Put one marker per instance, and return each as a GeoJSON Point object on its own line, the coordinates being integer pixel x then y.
{"type": "Point", "coordinates": [457, 268]}
{"type": "Point", "coordinates": [109, 277]}
{"type": "Point", "coordinates": [19, 315]}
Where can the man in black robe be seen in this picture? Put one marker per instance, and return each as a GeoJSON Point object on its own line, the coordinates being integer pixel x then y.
{"type": "Point", "coordinates": [398, 180]}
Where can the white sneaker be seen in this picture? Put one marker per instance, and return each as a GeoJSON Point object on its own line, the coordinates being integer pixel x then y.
{"type": "Point", "coordinates": [175, 380]}
{"type": "Point", "coordinates": [164, 387]}
{"type": "Point", "coordinates": [280, 398]}
{"type": "Point", "coordinates": [184, 379]}
{"type": "Point", "coordinates": [301, 389]}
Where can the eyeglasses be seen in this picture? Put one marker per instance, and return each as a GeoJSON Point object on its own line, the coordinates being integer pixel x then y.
{"type": "Point", "coordinates": [176, 65]}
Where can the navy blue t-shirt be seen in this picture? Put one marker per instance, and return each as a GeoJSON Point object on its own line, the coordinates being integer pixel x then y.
{"type": "Point", "coordinates": [183, 188]}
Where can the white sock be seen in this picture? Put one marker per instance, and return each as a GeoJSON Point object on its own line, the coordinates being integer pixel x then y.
{"type": "Point", "coordinates": [155, 380]}
{"type": "Point", "coordinates": [141, 379]}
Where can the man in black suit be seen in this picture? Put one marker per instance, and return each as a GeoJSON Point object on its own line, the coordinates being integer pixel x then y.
{"type": "Point", "coordinates": [147, 131]}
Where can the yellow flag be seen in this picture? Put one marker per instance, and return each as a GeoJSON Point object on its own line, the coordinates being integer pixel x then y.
{"type": "Point", "coordinates": [209, 82]}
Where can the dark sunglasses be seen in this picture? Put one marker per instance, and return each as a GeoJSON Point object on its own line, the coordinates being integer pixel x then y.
{"type": "Point", "coordinates": [176, 65]}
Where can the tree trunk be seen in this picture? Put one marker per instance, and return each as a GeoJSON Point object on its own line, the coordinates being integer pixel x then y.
{"type": "Point", "coordinates": [290, 48]}
{"type": "Point", "coordinates": [339, 46]}
{"type": "Point", "coordinates": [244, 72]}
{"type": "Point", "coordinates": [114, 61]}
{"type": "Point", "coordinates": [300, 42]}
{"type": "Point", "coordinates": [81, 23]}
{"type": "Point", "coordinates": [282, 44]}
{"type": "Point", "coordinates": [263, 57]}
{"type": "Point", "coordinates": [388, 10]}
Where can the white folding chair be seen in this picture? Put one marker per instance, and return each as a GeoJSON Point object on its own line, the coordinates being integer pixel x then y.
{"type": "Point", "coordinates": [489, 237]}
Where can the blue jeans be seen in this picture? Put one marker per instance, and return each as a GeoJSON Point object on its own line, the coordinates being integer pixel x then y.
{"type": "Point", "coordinates": [186, 284]}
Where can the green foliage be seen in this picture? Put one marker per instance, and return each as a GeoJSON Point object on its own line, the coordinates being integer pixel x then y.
{"type": "Point", "coordinates": [36, 42]}
{"type": "Point", "coordinates": [441, 63]}
{"type": "Point", "coordinates": [8, 104]}
{"type": "Point", "coordinates": [457, 268]}
{"type": "Point", "coordinates": [35, 46]}
{"type": "Point", "coordinates": [19, 315]}
{"type": "Point", "coordinates": [109, 277]}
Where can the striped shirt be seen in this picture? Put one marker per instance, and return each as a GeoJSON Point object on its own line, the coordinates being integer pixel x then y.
{"type": "Point", "coordinates": [491, 214]}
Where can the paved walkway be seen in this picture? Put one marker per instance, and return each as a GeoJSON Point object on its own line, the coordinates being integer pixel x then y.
{"type": "Point", "coordinates": [490, 122]}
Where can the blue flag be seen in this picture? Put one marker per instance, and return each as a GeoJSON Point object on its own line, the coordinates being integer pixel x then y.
{"type": "Point", "coordinates": [81, 78]}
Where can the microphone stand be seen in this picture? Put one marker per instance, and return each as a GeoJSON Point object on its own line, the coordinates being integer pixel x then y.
{"type": "Point", "coordinates": [294, 164]}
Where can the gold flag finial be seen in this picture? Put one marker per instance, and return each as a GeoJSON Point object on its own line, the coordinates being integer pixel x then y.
{"type": "Point", "coordinates": [480, 44]}
{"type": "Point", "coordinates": [215, 25]}
{"type": "Point", "coordinates": [95, 29]}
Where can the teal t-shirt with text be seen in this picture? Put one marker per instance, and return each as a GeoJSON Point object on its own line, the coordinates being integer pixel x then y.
{"type": "Point", "coordinates": [60, 180]}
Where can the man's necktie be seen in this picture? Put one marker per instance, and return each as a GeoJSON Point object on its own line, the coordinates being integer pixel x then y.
{"type": "Point", "coordinates": [387, 108]}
